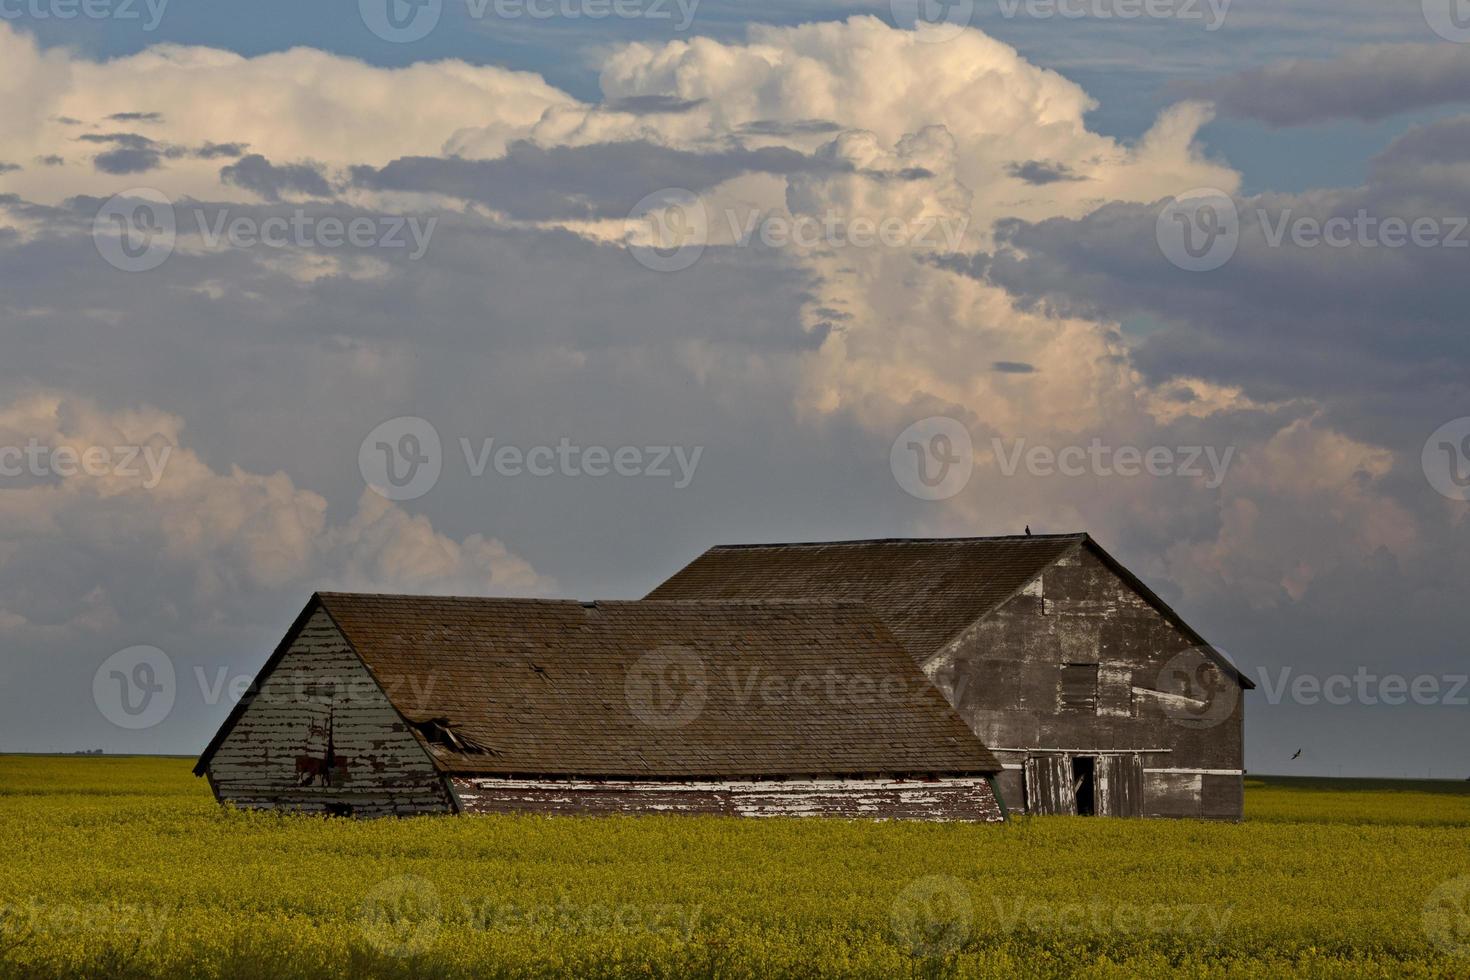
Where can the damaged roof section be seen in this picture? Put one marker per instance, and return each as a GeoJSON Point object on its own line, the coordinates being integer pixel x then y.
{"type": "Point", "coordinates": [655, 689]}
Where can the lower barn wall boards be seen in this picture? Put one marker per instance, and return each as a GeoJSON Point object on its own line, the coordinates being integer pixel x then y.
{"type": "Point", "coordinates": [946, 799]}
{"type": "Point", "coordinates": [1038, 786]}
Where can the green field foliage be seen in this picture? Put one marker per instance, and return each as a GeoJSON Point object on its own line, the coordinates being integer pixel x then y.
{"type": "Point", "coordinates": [119, 867]}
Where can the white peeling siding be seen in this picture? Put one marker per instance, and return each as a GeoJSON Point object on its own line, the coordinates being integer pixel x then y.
{"type": "Point", "coordinates": [320, 686]}
{"type": "Point", "coordinates": [951, 799]}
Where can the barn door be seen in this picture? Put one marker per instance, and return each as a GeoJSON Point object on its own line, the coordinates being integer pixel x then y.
{"type": "Point", "coordinates": [1120, 786]}
{"type": "Point", "coordinates": [1049, 785]}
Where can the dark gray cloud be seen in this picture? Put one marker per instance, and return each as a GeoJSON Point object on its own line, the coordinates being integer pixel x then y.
{"type": "Point", "coordinates": [650, 105]}
{"type": "Point", "coordinates": [9, 168]}
{"type": "Point", "coordinates": [271, 181]}
{"type": "Point", "coordinates": [131, 153]}
{"type": "Point", "coordinates": [790, 127]}
{"type": "Point", "coordinates": [125, 160]}
{"type": "Point", "coordinates": [1041, 172]}
{"type": "Point", "coordinates": [132, 141]}
{"type": "Point", "coordinates": [214, 151]}
{"type": "Point", "coordinates": [1368, 83]}
{"type": "Point", "coordinates": [599, 181]}
{"type": "Point", "coordinates": [144, 117]}
{"type": "Point", "coordinates": [1369, 323]}
{"type": "Point", "coordinates": [1012, 367]}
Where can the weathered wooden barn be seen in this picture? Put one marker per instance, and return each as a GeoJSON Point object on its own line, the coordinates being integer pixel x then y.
{"type": "Point", "coordinates": [376, 705]}
{"type": "Point", "coordinates": [1095, 695]}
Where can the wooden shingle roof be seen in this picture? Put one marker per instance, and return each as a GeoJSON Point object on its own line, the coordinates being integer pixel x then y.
{"type": "Point", "coordinates": [654, 689]}
{"type": "Point", "coordinates": [927, 590]}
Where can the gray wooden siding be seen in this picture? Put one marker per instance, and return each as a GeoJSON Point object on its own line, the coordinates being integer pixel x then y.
{"type": "Point", "coordinates": [1007, 676]}
{"type": "Point", "coordinates": [957, 799]}
{"type": "Point", "coordinates": [274, 756]}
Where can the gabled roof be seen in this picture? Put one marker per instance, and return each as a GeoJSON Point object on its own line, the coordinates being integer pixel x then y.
{"type": "Point", "coordinates": [928, 590]}
{"type": "Point", "coordinates": [539, 687]}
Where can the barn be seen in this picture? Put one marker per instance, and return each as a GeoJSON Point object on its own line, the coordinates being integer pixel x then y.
{"type": "Point", "coordinates": [1096, 697]}
{"type": "Point", "coordinates": [396, 705]}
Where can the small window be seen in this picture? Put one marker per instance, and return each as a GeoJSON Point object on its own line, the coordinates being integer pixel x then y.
{"type": "Point", "coordinates": [1079, 687]}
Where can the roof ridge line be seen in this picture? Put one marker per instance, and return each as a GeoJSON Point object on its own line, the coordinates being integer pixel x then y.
{"type": "Point", "coordinates": [596, 603]}
{"type": "Point", "coordinates": [1068, 535]}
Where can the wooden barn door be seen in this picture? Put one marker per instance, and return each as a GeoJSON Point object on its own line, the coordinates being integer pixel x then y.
{"type": "Point", "coordinates": [1049, 785]}
{"type": "Point", "coordinates": [1119, 786]}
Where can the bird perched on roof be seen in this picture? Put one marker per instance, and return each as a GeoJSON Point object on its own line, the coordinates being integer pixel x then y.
{"type": "Point", "coordinates": [1028, 530]}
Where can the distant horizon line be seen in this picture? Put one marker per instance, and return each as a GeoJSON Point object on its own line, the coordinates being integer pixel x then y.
{"type": "Point", "coordinates": [1272, 775]}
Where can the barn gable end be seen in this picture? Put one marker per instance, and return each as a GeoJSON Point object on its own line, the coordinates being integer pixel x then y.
{"type": "Point", "coordinates": [319, 735]}
{"type": "Point", "coordinates": [1080, 661]}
